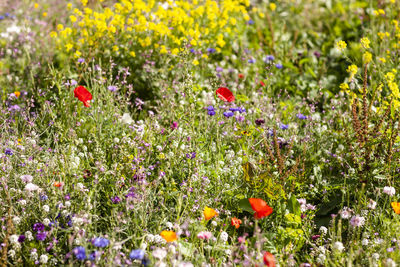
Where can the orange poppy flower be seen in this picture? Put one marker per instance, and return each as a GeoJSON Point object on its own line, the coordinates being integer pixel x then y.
{"type": "Point", "coordinates": [260, 207]}
{"type": "Point", "coordinates": [209, 213]}
{"type": "Point", "coordinates": [269, 259]}
{"type": "Point", "coordinates": [396, 207]}
{"type": "Point", "coordinates": [236, 222]}
{"type": "Point", "coordinates": [58, 184]}
{"type": "Point", "coordinates": [17, 94]}
{"type": "Point", "coordinates": [169, 236]}
{"type": "Point", "coordinates": [241, 76]}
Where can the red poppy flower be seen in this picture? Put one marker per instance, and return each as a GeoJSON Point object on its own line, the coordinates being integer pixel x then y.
{"type": "Point", "coordinates": [225, 94]}
{"type": "Point", "coordinates": [83, 95]}
{"type": "Point", "coordinates": [260, 207]}
{"type": "Point", "coordinates": [269, 259]}
{"type": "Point", "coordinates": [241, 76]}
{"type": "Point", "coordinates": [262, 83]}
{"type": "Point", "coordinates": [236, 222]}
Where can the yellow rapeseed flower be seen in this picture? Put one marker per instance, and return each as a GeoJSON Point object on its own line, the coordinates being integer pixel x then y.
{"type": "Point", "coordinates": [352, 69]}
{"type": "Point", "coordinates": [272, 6]}
{"type": "Point", "coordinates": [195, 62]}
{"type": "Point", "coordinates": [341, 45]}
{"type": "Point", "coordinates": [365, 42]}
{"type": "Point", "coordinates": [367, 57]}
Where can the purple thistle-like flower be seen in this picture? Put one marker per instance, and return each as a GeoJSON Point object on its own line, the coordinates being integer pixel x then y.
{"type": "Point", "coordinates": [219, 69]}
{"type": "Point", "coordinates": [80, 253]}
{"type": "Point", "coordinates": [115, 200]}
{"type": "Point", "coordinates": [40, 236]}
{"type": "Point", "coordinates": [8, 151]}
{"type": "Point", "coordinates": [278, 65]}
{"type": "Point", "coordinates": [250, 22]}
{"type": "Point", "coordinates": [211, 112]}
{"type": "Point", "coordinates": [284, 126]}
{"type": "Point", "coordinates": [210, 108]}
{"type": "Point", "coordinates": [38, 227]}
{"type": "Point", "coordinates": [251, 61]}
{"type": "Point", "coordinates": [81, 60]}
{"type": "Point", "coordinates": [21, 238]}
{"type": "Point", "coordinates": [269, 58]}
{"type": "Point", "coordinates": [211, 50]}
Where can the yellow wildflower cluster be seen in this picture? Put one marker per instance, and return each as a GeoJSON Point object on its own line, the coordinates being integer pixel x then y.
{"type": "Point", "coordinates": [341, 45]}
{"type": "Point", "coordinates": [132, 26]}
{"type": "Point", "coordinates": [365, 42]}
{"type": "Point", "coordinates": [390, 79]}
{"type": "Point", "coordinates": [352, 69]}
{"type": "Point", "coordinates": [367, 57]}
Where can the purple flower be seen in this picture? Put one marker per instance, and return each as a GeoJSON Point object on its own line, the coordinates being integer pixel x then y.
{"type": "Point", "coordinates": [278, 65]}
{"type": "Point", "coordinates": [228, 114]}
{"type": "Point", "coordinates": [284, 126]}
{"type": "Point", "coordinates": [250, 22]}
{"type": "Point", "coordinates": [219, 69]}
{"type": "Point", "coordinates": [241, 110]}
{"type": "Point", "coordinates": [211, 50]}
{"type": "Point", "coordinates": [174, 125]}
{"type": "Point", "coordinates": [115, 200]}
{"type": "Point", "coordinates": [40, 236]}
{"type": "Point", "coordinates": [211, 112]}
{"type": "Point", "coordinates": [8, 151]}
{"type": "Point", "coordinates": [21, 238]}
{"type": "Point", "coordinates": [260, 121]}
{"type": "Point", "coordinates": [73, 82]}
{"type": "Point", "coordinates": [136, 254]}
{"type": "Point", "coordinates": [315, 237]}
{"type": "Point", "coordinates": [357, 221]}
{"type": "Point", "coordinates": [81, 60]}
{"type": "Point", "coordinates": [93, 255]}
{"type": "Point", "coordinates": [112, 88]}
{"type": "Point", "coordinates": [38, 227]}
{"type": "Point", "coordinates": [80, 253]}
{"type": "Point", "coordinates": [301, 116]}
{"type": "Point", "coordinates": [210, 108]}
{"type": "Point", "coordinates": [317, 54]}
{"type": "Point", "coordinates": [269, 58]}
{"type": "Point", "coordinates": [101, 242]}
{"type": "Point", "coordinates": [251, 61]}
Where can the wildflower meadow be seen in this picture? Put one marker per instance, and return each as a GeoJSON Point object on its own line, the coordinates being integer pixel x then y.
{"type": "Point", "coordinates": [200, 133]}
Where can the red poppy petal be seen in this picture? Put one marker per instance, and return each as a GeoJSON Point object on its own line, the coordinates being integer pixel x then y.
{"type": "Point", "coordinates": [225, 94]}
{"type": "Point", "coordinates": [83, 95]}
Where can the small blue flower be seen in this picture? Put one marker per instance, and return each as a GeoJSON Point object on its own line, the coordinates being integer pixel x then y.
{"type": "Point", "coordinates": [219, 69]}
{"type": "Point", "coordinates": [241, 110]}
{"type": "Point", "coordinates": [250, 22]}
{"type": "Point", "coordinates": [44, 197]}
{"type": "Point", "coordinates": [192, 50]}
{"type": "Point", "coordinates": [301, 116]}
{"type": "Point", "coordinates": [136, 254]}
{"type": "Point", "coordinates": [80, 253]}
{"type": "Point", "coordinates": [234, 109]}
{"type": "Point", "coordinates": [112, 88]}
{"type": "Point", "coordinates": [269, 58]}
{"type": "Point", "coordinates": [228, 114]}
{"type": "Point", "coordinates": [8, 151]}
{"type": "Point", "coordinates": [101, 242]}
{"type": "Point", "coordinates": [81, 60]}
{"type": "Point", "coordinates": [284, 126]}
{"type": "Point", "coordinates": [251, 61]}
{"type": "Point", "coordinates": [93, 255]}
{"type": "Point", "coordinates": [210, 108]}
{"type": "Point", "coordinates": [1, 17]}
{"type": "Point", "coordinates": [211, 50]}
{"type": "Point", "coordinates": [211, 112]}
{"type": "Point", "coordinates": [278, 65]}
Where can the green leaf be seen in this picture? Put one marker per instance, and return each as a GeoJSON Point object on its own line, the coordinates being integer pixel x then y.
{"type": "Point", "coordinates": [294, 205]}
{"type": "Point", "coordinates": [244, 204]}
{"type": "Point", "coordinates": [242, 98]}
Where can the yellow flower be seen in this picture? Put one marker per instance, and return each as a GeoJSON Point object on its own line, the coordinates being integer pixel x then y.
{"type": "Point", "coordinates": [344, 86]}
{"type": "Point", "coordinates": [169, 236]}
{"type": "Point", "coordinates": [84, 2]}
{"type": "Point", "coordinates": [382, 59]}
{"type": "Point", "coordinates": [132, 53]}
{"type": "Point", "coordinates": [209, 213]}
{"type": "Point", "coordinates": [69, 6]}
{"type": "Point", "coordinates": [352, 69]}
{"type": "Point", "coordinates": [44, 14]}
{"type": "Point", "coordinates": [77, 54]}
{"type": "Point", "coordinates": [341, 45]}
{"type": "Point", "coordinates": [365, 42]}
{"type": "Point", "coordinates": [195, 62]}
{"type": "Point", "coordinates": [53, 34]}
{"type": "Point", "coordinates": [272, 6]}
{"type": "Point", "coordinates": [115, 48]}
{"type": "Point", "coordinates": [17, 93]}
{"type": "Point", "coordinates": [36, 5]}
{"type": "Point", "coordinates": [60, 27]}
{"type": "Point", "coordinates": [72, 18]}
{"type": "Point", "coordinates": [367, 57]}
{"type": "Point", "coordinates": [175, 51]}
{"type": "Point", "coordinates": [68, 46]}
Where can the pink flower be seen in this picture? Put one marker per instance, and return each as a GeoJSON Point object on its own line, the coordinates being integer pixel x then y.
{"type": "Point", "coordinates": [204, 235]}
{"type": "Point", "coordinates": [357, 221]}
{"type": "Point", "coordinates": [390, 191]}
{"type": "Point", "coordinates": [26, 178]}
{"type": "Point", "coordinates": [31, 187]}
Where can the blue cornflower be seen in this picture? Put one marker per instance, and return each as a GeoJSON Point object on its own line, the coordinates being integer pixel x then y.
{"type": "Point", "coordinates": [80, 253]}
{"type": "Point", "coordinates": [241, 110]}
{"type": "Point", "coordinates": [38, 227]}
{"type": "Point", "coordinates": [269, 58]}
{"type": "Point", "coordinates": [284, 126]}
{"type": "Point", "coordinates": [1, 17]}
{"type": "Point", "coordinates": [192, 50]}
{"type": "Point", "coordinates": [234, 109]}
{"type": "Point", "coordinates": [251, 61]}
{"type": "Point", "coordinates": [40, 236]}
{"type": "Point", "coordinates": [211, 50]}
{"type": "Point", "coordinates": [250, 22]}
{"type": "Point", "coordinates": [210, 108]}
{"type": "Point", "coordinates": [112, 88]}
{"type": "Point", "coordinates": [93, 255]}
{"type": "Point", "coordinates": [8, 151]}
{"type": "Point", "coordinates": [44, 197]}
{"type": "Point", "coordinates": [278, 65]}
{"type": "Point", "coordinates": [81, 60]}
{"type": "Point", "coordinates": [228, 114]}
{"type": "Point", "coordinates": [136, 254]}
{"type": "Point", "coordinates": [101, 242]}
{"type": "Point", "coordinates": [211, 112]}
{"type": "Point", "coordinates": [301, 116]}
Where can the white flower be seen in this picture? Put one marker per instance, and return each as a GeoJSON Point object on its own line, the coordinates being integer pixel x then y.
{"type": "Point", "coordinates": [390, 191]}
{"type": "Point", "coordinates": [126, 118]}
{"type": "Point", "coordinates": [228, 252]}
{"type": "Point", "coordinates": [224, 236]}
{"type": "Point", "coordinates": [46, 208]}
{"type": "Point", "coordinates": [169, 225]}
{"type": "Point", "coordinates": [323, 230]}
{"type": "Point", "coordinates": [321, 259]}
{"type": "Point", "coordinates": [214, 223]}
{"type": "Point", "coordinates": [371, 205]}
{"type": "Point", "coordinates": [345, 213]}
{"type": "Point", "coordinates": [43, 259]}
{"type": "Point", "coordinates": [22, 202]}
{"type": "Point", "coordinates": [27, 178]}
{"type": "Point", "coordinates": [13, 239]}
{"type": "Point", "coordinates": [159, 253]}
{"type": "Point", "coordinates": [46, 221]}
{"type": "Point", "coordinates": [16, 220]}
{"type": "Point", "coordinates": [28, 235]}
{"type": "Point", "coordinates": [338, 246]}
{"type": "Point", "coordinates": [365, 242]}
{"type": "Point", "coordinates": [116, 140]}
{"type": "Point", "coordinates": [80, 186]}
{"type": "Point", "coordinates": [67, 204]}
{"type": "Point", "coordinates": [185, 264]}
{"type": "Point", "coordinates": [390, 263]}
{"type": "Point", "coordinates": [357, 221]}
{"type": "Point", "coordinates": [150, 238]}
{"type": "Point", "coordinates": [31, 187]}
{"type": "Point", "coordinates": [375, 256]}
{"type": "Point", "coordinates": [11, 253]}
